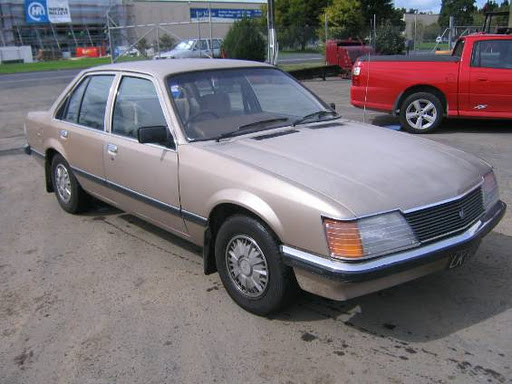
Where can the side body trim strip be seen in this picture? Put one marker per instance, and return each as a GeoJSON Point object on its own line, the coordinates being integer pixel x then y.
{"type": "Point", "coordinates": [189, 216]}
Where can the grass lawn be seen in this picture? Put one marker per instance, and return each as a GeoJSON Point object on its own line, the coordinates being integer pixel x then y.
{"type": "Point", "coordinates": [86, 62]}
{"type": "Point", "coordinates": [293, 67]}
{"type": "Point", "coordinates": [93, 61]}
{"type": "Point", "coordinates": [430, 46]}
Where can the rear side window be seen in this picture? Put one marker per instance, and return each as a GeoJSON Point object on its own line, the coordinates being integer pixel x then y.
{"type": "Point", "coordinates": [94, 102]}
{"type": "Point", "coordinates": [492, 54]}
{"type": "Point", "coordinates": [136, 106]}
{"type": "Point", "coordinates": [70, 110]}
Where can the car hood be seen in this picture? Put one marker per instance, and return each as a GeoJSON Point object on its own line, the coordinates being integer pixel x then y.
{"type": "Point", "coordinates": [366, 169]}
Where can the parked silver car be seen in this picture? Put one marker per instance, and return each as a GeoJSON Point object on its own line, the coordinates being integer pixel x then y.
{"type": "Point", "coordinates": [277, 188]}
{"type": "Point", "coordinates": [193, 48]}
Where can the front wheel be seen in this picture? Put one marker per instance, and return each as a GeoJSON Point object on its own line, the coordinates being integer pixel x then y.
{"type": "Point", "coordinates": [250, 266]}
{"type": "Point", "coordinates": [421, 112]}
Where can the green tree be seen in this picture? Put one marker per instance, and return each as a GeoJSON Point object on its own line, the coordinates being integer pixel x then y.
{"type": "Point", "coordinates": [461, 10]}
{"type": "Point", "coordinates": [166, 42]}
{"type": "Point", "coordinates": [244, 41]}
{"type": "Point", "coordinates": [296, 21]}
{"type": "Point", "coordinates": [390, 40]}
{"type": "Point", "coordinates": [345, 19]}
{"type": "Point", "coordinates": [383, 10]}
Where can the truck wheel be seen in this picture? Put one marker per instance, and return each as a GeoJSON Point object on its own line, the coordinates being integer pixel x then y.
{"type": "Point", "coordinates": [70, 195]}
{"type": "Point", "coordinates": [421, 112]}
{"type": "Point", "coordinates": [250, 266]}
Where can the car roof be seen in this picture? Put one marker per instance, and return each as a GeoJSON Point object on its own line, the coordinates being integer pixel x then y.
{"type": "Point", "coordinates": [163, 68]}
{"type": "Point", "coordinates": [488, 36]}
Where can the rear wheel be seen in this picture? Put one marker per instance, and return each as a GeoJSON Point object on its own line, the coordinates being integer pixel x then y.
{"type": "Point", "coordinates": [70, 195]}
{"type": "Point", "coordinates": [250, 266]}
{"type": "Point", "coordinates": [421, 112]}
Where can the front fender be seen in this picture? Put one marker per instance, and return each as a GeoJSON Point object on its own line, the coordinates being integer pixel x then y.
{"type": "Point", "coordinates": [249, 201]}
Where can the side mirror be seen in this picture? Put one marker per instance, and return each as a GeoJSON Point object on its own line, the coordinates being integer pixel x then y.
{"type": "Point", "coordinates": [153, 135]}
{"type": "Point", "coordinates": [333, 106]}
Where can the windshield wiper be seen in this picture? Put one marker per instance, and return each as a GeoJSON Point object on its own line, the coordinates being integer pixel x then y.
{"type": "Point", "coordinates": [317, 114]}
{"type": "Point", "coordinates": [245, 128]}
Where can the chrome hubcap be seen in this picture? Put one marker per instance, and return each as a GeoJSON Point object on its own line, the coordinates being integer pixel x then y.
{"type": "Point", "coordinates": [247, 266]}
{"type": "Point", "coordinates": [63, 183]}
{"type": "Point", "coordinates": [421, 114]}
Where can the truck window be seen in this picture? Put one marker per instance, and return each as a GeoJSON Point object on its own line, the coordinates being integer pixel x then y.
{"type": "Point", "coordinates": [492, 54]}
{"type": "Point", "coordinates": [459, 47]}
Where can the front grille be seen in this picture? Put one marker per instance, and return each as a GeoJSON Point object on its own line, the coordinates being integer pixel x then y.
{"type": "Point", "coordinates": [447, 218]}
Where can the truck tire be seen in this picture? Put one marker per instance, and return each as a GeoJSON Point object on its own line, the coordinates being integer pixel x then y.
{"type": "Point", "coordinates": [421, 112]}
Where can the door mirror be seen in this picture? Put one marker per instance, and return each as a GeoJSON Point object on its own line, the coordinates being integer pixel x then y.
{"type": "Point", "coordinates": [153, 135]}
{"type": "Point", "coordinates": [333, 106]}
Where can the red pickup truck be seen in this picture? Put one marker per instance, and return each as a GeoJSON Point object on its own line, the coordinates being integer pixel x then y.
{"type": "Point", "coordinates": [474, 82]}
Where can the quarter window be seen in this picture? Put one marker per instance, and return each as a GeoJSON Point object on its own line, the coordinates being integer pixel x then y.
{"type": "Point", "coordinates": [492, 54]}
{"type": "Point", "coordinates": [72, 106]}
{"type": "Point", "coordinates": [94, 102]}
{"type": "Point", "coordinates": [136, 106]}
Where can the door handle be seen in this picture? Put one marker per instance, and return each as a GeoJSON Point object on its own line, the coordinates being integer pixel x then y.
{"type": "Point", "coordinates": [112, 149]}
{"type": "Point", "coordinates": [482, 79]}
{"type": "Point", "coordinates": [64, 134]}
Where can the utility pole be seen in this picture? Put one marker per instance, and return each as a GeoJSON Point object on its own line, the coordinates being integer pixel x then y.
{"type": "Point", "coordinates": [510, 16]}
{"type": "Point", "coordinates": [272, 38]}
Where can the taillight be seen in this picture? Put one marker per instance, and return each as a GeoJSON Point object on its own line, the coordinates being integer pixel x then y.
{"type": "Point", "coordinates": [356, 71]}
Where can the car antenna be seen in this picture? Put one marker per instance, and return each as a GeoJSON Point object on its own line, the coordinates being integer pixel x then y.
{"type": "Point", "coordinates": [366, 88]}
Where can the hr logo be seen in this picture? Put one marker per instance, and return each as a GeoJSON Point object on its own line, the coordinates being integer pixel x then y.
{"type": "Point", "coordinates": [36, 11]}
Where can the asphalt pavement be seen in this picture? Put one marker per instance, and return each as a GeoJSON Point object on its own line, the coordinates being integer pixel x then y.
{"type": "Point", "coordinates": [104, 297]}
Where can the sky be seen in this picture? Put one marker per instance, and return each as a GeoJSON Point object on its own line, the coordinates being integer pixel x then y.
{"type": "Point", "coordinates": [429, 5]}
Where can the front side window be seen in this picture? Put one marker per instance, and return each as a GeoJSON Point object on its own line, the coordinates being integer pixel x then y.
{"type": "Point", "coordinates": [212, 103]}
{"type": "Point", "coordinates": [136, 106]}
{"type": "Point", "coordinates": [492, 54]}
{"type": "Point", "coordinates": [202, 45]}
{"type": "Point", "coordinates": [94, 102]}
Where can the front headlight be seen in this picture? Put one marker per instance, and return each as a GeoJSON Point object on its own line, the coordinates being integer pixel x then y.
{"type": "Point", "coordinates": [490, 192]}
{"type": "Point", "coordinates": [369, 237]}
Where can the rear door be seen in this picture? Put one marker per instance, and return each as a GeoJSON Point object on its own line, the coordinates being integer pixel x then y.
{"type": "Point", "coordinates": [144, 177]}
{"type": "Point", "coordinates": [490, 79]}
{"type": "Point", "coordinates": [80, 120]}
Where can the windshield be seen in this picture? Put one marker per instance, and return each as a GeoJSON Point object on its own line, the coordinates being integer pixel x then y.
{"type": "Point", "coordinates": [213, 103]}
{"type": "Point", "coordinates": [185, 44]}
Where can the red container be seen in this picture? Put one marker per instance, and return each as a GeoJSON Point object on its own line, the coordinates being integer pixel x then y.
{"type": "Point", "coordinates": [90, 51]}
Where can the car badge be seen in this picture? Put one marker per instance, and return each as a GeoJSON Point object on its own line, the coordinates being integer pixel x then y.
{"type": "Point", "coordinates": [462, 213]}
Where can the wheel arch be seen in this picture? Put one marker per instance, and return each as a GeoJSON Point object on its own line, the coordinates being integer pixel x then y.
{"type": "Point", "coordinates": [420, 88]}
{"type": "Point", "coordinates": [222, 210]}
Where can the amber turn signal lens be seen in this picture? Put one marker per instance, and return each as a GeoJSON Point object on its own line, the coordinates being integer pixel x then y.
{"type": "Point", "coordinates": [343, 238]}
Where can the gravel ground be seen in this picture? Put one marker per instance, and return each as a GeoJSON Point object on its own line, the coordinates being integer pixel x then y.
{"type": "Point", "coordinates": [106, 298]}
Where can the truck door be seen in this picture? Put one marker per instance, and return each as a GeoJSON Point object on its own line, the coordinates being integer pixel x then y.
{"type": "Point", "coordinates": [490, 79]}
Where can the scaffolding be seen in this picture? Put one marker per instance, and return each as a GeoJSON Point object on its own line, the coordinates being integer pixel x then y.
{"type": "Point", "coordinates": [89, 26]}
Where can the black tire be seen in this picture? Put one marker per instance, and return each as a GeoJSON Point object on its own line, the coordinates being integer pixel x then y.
{"type": "Point", "coordinates": [422, 120]}
{"type": "Point", "coordinates": [77, 200]}
{"type": "Point", "coordinates": [280, 284]}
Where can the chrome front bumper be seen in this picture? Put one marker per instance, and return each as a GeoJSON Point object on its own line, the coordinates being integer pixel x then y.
{"type": "Point", "coordinates": [353, 272]}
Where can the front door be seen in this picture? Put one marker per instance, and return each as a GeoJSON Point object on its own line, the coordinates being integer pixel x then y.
{"type": "Point", "coordinates": [490, 79]}
{"type": "Point", "coordinates": [143, 176]}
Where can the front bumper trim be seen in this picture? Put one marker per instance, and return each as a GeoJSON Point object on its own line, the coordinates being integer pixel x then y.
{"type": "Point", "coordinates": [386, 265]}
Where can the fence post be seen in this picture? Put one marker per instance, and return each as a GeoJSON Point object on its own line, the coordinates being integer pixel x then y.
{"type": "Point", "coordinates": [450, 33]}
